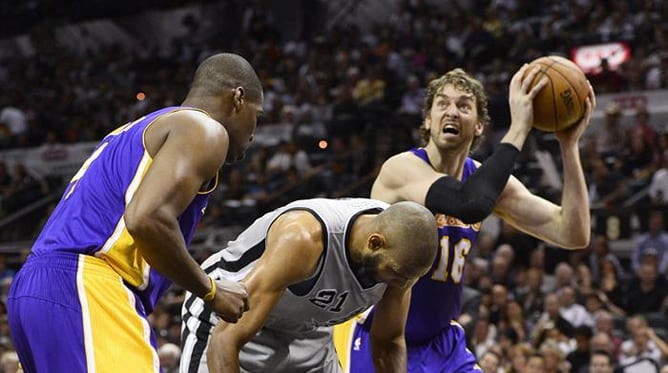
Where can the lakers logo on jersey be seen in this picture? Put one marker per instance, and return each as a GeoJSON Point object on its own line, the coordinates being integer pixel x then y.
{"type": "Point", "coordinates": [451, 221]}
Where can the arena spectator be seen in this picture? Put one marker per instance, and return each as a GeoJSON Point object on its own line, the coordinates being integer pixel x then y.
{"type": "Point", "coordinates": [554, 353]}
{"type": "Point", "coordinates": [600, 251]}
{"type": "Point", "coordinates": [532, 296]}
{"type": "Point", "coordinates": [573, 312]}
{"type": "Point", "coordinates": [564, 275]}
{"type": "Point", "coordinates": [483, 336]}
{"type": "Point", "coordinates": [601, 362]}
{"type": "Point", "coordinates": [519, 356]}
{"type": "Point", "coordinates": [535, 364]}
{"type": "Point", "coordinates": [551, 325]}
{"type": "Point", "coordinates": [490, 362]}
{"type": "Point", "coordinates": [289, 155]}
{"type": "Point", "coordinates": [611, 138]}
{"type": "Point", "coordinates": [639, 345]}
{"type": "Point", "coordinates": [169, 355]}
{"type": "Point", "coordinates": [601, 341]}
{"type": "Point", "coordinates": [647, 292]}
{"type": "Point", "coordinates": [607, 187]}
{"type": "Point", "coordinates": [654, 242]}
{"type": "Point", "coordinates": [578, 359]}
{"type": "Point", "coordinates": [642, 128]}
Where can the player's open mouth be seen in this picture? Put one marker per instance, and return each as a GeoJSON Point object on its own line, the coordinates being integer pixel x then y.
{"type": "Point", "coordinates": [451, 130]}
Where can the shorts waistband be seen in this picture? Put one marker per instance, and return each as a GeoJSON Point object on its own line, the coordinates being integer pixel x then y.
{"type": "Point", "coordinates": [70, 261]}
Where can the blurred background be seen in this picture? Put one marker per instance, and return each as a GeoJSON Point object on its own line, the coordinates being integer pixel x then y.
{"type": "Point", "coordinates": [344, 87]}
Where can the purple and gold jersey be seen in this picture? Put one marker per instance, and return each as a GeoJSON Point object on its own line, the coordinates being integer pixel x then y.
{"type": "Point", "coordinates": [436, 297]}
{"type": "Point", "coordinates": [89, 217]}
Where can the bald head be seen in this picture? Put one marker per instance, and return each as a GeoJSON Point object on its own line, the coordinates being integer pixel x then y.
{"type": "Point", "coordinates": [223, 72]}
{"type": "Point", "coordinates": [411, 236]}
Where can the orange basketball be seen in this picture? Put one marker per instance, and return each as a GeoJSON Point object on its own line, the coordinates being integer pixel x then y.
{"type": "Point", "coordinates": [561, 103]}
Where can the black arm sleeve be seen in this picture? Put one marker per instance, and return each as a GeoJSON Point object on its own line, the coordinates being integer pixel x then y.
{"type": "Point", "coordinates": [474, 199]}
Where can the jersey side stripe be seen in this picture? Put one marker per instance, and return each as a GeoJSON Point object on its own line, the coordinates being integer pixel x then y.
{"type": "Point", "coordinates": [202, 334]}
{"type": "Point", "coordinates": [247, 258]}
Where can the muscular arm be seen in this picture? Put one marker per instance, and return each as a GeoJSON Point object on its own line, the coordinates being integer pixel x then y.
{"type": "Point", "coordinates": [388, 345]}
{"type": "Point", "coordinates": [294, 245]}
{"type": "Point", "coordinates": [568, 225]}
{"type": "Point", "coordinates": [188, 148]}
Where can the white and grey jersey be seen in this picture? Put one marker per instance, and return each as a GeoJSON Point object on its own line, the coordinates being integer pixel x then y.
{"type": "Point", "coordinates": [332, 295]}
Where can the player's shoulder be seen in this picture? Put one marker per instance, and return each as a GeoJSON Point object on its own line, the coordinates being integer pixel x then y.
{"type": "Point", "coordinates": [299, 234]}
{"type": "Point", "coordinates": [192, 123]}
{"type": "Point", "coordinates": [301, 224]}
{"type": "Point", "coordinates": [402, 158]}
{"type": "Point", "coordinates": [400, 163]}
{"type": "Point", "coordinates": [187, 119]}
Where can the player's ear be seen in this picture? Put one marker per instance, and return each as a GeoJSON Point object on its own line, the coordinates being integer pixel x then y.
{"type": "Point", "coordinates": [427, 123]}
{"type": "Point", "coordinates": [239, 98]}
{"type": "Point", "coordinates": [376, 241]}
{"type": "Point", "coordinates": [479, 127]}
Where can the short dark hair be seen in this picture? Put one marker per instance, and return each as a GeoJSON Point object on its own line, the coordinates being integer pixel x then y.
{"type": "Point", "coordinates": [583, 330]}
{"type": "Point", "coordinates": [225, 71]}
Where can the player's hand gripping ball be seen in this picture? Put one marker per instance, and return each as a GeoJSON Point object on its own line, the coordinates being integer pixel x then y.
{"type": "Point", "coordinates": [561, 103]}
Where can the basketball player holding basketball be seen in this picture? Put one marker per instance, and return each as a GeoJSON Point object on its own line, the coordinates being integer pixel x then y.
{"type": "Point", "coordinates": [117, 238]}
{"type": "Point", "coordinates": [309, 265]}
{"type": "Point", "coordinates": [455, 115]}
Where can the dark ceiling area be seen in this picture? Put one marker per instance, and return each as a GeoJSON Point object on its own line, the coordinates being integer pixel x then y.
{"type": "Point", "coordinates": [19, 17]}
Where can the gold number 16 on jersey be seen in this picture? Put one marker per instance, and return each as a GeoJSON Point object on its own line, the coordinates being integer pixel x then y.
{"type": "Point", "coordinates": [461, 250]}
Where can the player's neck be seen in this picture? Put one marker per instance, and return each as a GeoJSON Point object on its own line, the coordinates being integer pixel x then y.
{"type": "Point", "coordinates": [210, 105]}
{"type": "Point", "coordinates": [447, 161]}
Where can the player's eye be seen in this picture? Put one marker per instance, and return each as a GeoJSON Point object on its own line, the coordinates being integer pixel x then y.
{"type": "Point", "coordinates": [465, 107]}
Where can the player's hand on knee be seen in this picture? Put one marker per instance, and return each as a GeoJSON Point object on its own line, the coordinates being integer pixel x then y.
{"type": "Point", "coordinates": [231, 300]}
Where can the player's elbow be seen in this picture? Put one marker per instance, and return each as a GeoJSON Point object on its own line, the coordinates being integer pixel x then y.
{"type": "Point", "coordinates": [225, 341]}
{"type": "Point", "coordinates": [572, 238]}
{"type": "Point", "coordinates": [136, 223]}
{"type": "Point", "coordinates": [447, 196]}
{"type": "Point", "coordinates": [474, 208]}
{"type": "Point", "coordinates": [579, 240]}
{"type": "Point", "coordinates": [222, 352]}
{"type": "Point", "coordinates": [143, 225]}
{"type": "Point", "coordinates": [476, 212]}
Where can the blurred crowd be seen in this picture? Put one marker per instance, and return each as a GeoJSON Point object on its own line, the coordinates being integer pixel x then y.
{"type": "Point", "coordinates": [348, 98]}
